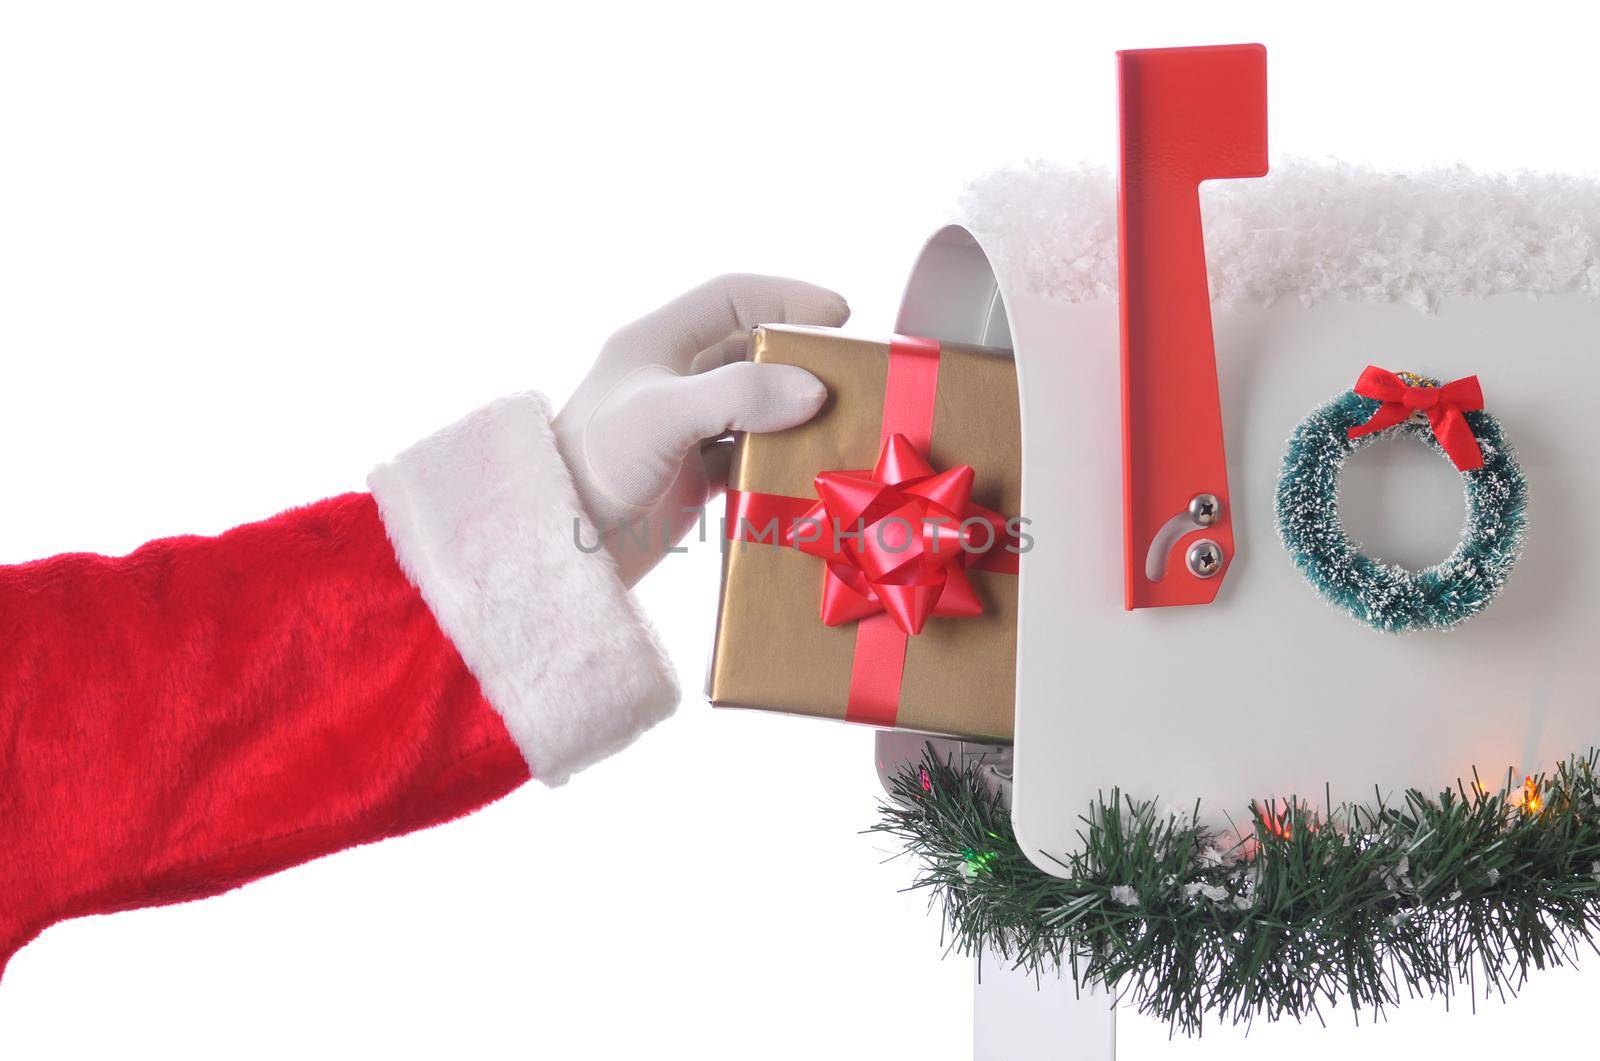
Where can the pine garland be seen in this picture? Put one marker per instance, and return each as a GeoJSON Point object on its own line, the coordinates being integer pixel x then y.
{"type": "Point", "coordinates": [1314, 906]}
{"type": "Point", "coordinates": [1383, 595]}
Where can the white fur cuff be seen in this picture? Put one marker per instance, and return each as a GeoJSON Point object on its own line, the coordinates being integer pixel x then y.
{"type": "Point", "coordinates": [485, 522]}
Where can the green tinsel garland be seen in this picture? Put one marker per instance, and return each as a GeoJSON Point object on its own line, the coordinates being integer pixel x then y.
{"type": "Point", "coordinates": [1387, 596]}
{"type": "Point", "coordinates": [1361, 903]}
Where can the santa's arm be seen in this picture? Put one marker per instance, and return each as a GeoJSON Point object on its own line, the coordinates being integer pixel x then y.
{"type": "Point", "coordinates": [204, 711]}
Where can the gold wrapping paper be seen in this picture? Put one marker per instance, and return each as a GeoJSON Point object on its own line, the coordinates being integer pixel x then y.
{"type": "Point", "coordinates": [772, 651]}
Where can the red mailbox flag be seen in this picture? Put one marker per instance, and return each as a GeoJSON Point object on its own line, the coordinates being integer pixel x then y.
{"type": "Point", "coordinates": [1187, 115]}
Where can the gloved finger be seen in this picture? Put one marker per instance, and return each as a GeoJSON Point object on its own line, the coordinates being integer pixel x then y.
{"type": "Point", "coordinates": [716, 458]}
{"type": "Point", "coordinates": [738, 397]}
{"type": "Point", "coordinates": [734, 348]}
{"type": "Point", "coordinates": [707, 315]}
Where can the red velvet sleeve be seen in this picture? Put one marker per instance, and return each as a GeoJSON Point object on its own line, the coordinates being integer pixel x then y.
{"type": "Point", "coordinates": [204, 711]}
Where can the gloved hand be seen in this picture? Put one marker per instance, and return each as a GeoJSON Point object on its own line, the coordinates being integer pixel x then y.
{"type": "Point", "coordinates": [664, 387]}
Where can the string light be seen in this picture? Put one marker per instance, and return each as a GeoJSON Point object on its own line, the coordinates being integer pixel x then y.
{"type": "Point", "coordinates": [1276, 825]}
{"type": "Point", "coordinates": [976, 862]}
{"type": "Point", "coordinates": [1532, 802]}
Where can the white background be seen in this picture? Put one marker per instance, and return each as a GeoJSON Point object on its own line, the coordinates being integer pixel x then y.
{"type": "Point", "coordinates": [247, 250]}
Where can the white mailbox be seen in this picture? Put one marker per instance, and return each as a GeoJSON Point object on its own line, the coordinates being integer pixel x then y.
{"type": "Point", "coordinates": [1268, 691]}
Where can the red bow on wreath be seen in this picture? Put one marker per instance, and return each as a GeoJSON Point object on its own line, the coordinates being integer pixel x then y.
{"type": "Point", "coordinates": [1443, 407]}
{"type": "Point", "coordinates": [897, 539]}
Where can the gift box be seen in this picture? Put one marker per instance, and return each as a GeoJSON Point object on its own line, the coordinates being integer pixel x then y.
{"type": "Point", "coordinates": [871, 554]}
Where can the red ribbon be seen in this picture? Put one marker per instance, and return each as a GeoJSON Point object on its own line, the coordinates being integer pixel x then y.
{"type": "Point", "coordinates": [1444, 407]}
{"type": "Point", "coordinates": [896, 541]}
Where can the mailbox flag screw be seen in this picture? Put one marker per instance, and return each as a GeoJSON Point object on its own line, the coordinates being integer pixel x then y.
{"type": "Point", "coordinates": [1204, 558]}
{"type": "Point", "coordinates": [1204, 509]}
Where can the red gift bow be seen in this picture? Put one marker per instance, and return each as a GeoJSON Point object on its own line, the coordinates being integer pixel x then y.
{"type": "Point", "coordinates": [1443, 406]}
{"type": "Point", "coordinates": [897, 539]}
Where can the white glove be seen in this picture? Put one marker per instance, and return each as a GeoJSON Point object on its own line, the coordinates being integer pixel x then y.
{"type": "Point", "coordinates": [663, 386]}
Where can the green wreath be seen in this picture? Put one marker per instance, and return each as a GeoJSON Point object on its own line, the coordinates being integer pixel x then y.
{"type": "Point", "coordinates": [1387, 596]}
{"type": "Point", "coordinates": [1313, 906]}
